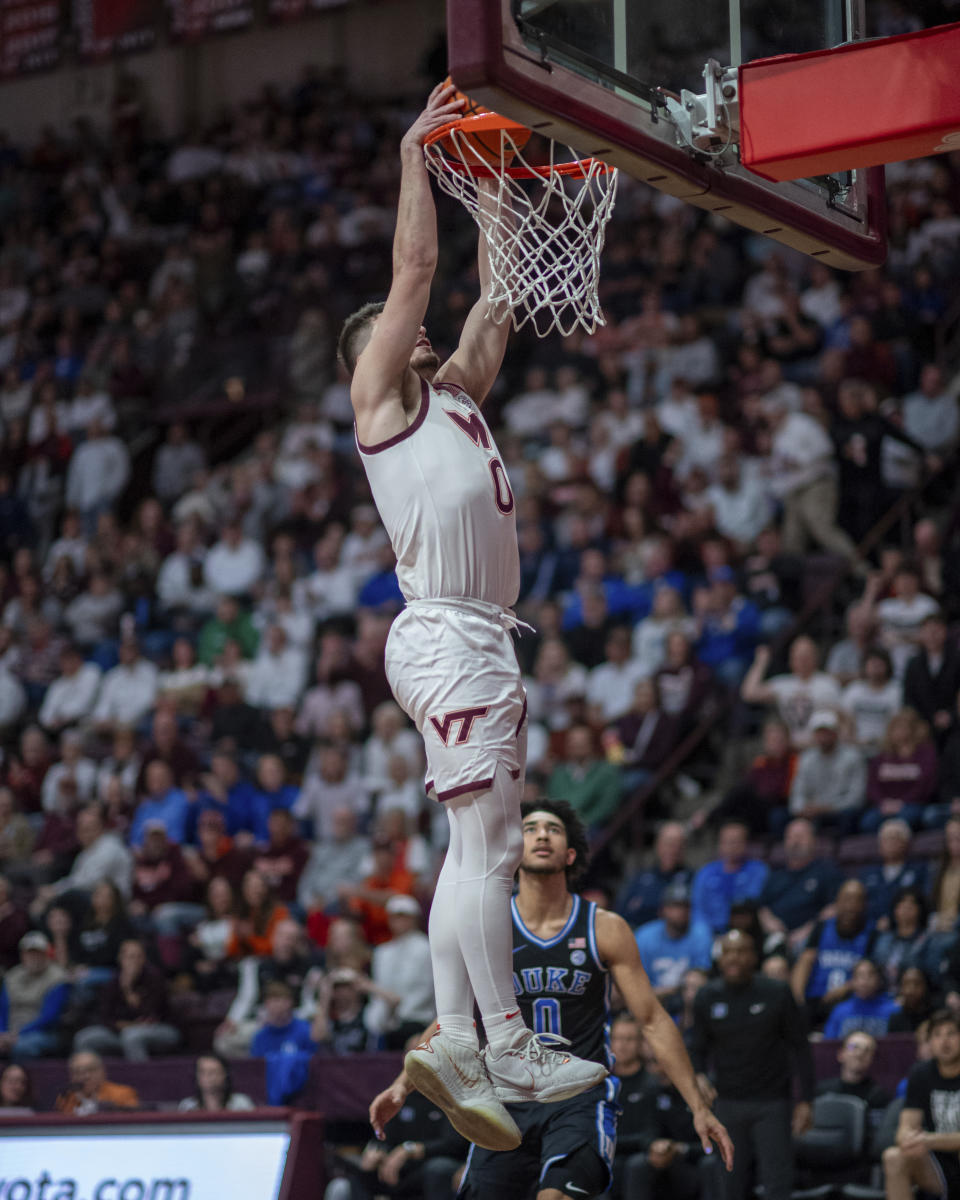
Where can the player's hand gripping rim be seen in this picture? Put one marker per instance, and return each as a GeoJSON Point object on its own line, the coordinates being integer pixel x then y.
{"type": "Point", "coordinates": [440, 109]}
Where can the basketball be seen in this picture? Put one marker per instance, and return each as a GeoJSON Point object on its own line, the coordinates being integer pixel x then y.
{"type": "Point", "coordinates": [485, 144]}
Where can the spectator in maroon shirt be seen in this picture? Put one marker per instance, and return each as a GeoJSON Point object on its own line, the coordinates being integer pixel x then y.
{"type": "Point", "coordinates": [133, 1011]}
{"type": "Point", "coordinates": [282, 860]}
{"type": "Point", "coordinates": [215, 852]}
{"type": "Point", "coordinates": [167, 745]}
{"type": "Point", "coordinates": [27, 770]}
{"type": "Point", "coordinates": [56, 846]}
{"type": "Point", "coordinates": [765, 788]}
{"type": "Point", "coordinates": [685, 685]}
{"type": "Point", "coordinates": [164, 889]}
{"type": "Point", "coordinates": [14, 923]}
{"type": "Point", "coordinates": [231, 718]}
{"type": "Point", "coordinates": [366, 667]}
{"type": "Point", "coordinates": [902, 779]}
{"type": "Point", "coordinates": [646, 734]}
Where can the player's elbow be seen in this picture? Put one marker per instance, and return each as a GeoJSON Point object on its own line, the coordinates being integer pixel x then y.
{"type": "Point", "coordinates": [416, 262]}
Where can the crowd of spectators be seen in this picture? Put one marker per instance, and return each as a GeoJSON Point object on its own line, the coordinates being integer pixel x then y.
{"type": "Point", "coordinates": [207, 793]}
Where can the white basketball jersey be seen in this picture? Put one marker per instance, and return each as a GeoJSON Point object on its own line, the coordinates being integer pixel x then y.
{"type": "Point", "coordinates": [445, 500]}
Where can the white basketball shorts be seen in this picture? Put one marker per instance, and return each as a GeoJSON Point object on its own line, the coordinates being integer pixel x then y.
{"type": "Point", "coordinates": [453, 670]}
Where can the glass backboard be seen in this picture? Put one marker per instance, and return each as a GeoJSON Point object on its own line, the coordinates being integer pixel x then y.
{"type": "Point", "coordinates": [606, 77]}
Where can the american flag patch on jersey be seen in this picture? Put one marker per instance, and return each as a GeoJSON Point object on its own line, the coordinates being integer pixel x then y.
{"type": "Point", "coordinates": [577, 944]}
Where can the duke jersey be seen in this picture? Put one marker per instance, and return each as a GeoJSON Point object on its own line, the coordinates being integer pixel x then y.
{"type": "Point", "coordinates": [445, 500]}
{"type": "Point", "coordinates": [561, 985]}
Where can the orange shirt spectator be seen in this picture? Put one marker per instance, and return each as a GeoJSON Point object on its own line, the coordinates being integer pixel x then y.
{"type": "Point", "coordinates": [90, 1091]}
{"type": "Point", "coordinates": [367, 900]}
{"type": "Point", "coordinates": [260, 914]}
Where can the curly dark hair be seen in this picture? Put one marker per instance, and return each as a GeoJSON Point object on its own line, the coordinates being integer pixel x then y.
{"type": "Point", "coordinates": [574, 828]}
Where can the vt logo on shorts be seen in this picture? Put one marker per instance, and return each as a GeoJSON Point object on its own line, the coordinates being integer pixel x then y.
{"type": "Point", "coordinates": [464, 717]}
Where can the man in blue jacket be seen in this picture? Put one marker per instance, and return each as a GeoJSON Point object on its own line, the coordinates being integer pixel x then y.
{"type": "Point", "coordinates": [731, 876]}
{"type": "Point", "coordinates": [32, 999]}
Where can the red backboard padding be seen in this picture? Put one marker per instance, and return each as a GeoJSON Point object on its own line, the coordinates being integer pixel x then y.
{"type": "Point", "coordinates": [855, 106]}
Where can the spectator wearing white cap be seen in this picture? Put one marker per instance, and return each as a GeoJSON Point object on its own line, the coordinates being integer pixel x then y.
{"type": "Point", "coordinates": [401, 1000]}
{"type": "Point", "coordinates": [32, 999]}
{"type": "Point", "coordinates": [830, 785]}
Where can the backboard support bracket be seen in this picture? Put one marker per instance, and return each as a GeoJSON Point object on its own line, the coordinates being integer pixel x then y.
{"type": "Point", "coordinates": [708, 122]}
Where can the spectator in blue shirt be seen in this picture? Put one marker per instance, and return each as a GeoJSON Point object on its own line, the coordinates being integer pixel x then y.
{"type": "Point", "coordinates": [672, 945]}
{"type": "Point", "coordinates": [225, 790]}
{"type": "Point", "coordinates": [32, 999]}
{"type": "Point", "coordinates": [272, 792]}
{"type": "Point", "coordinates": [797, 893]}
{"type": "Point", "coordinates": [822, 974]}
{"type": "Point", "coordinates": [729, 626]}
{"type": "Point", "coordinates": [639, 898]}
{"type": "Point", "coordinates": [281, 1032]}
{"type": "Point", "coordinates": [868, 1008]}
{"type": "Point", "coordinates": [731, 876]}
{"type": "Point", "coordinates": [285, 1041]}
{"type": "Point", "coordinates": [164, 803]}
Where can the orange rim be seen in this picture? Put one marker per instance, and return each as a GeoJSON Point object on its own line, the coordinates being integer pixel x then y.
{"type": "Point", "coordinates": [490, 121]}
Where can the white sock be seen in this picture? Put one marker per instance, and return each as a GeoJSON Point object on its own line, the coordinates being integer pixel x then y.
{"type": "Point", "coordinates": [451, 983]}
{"type": "Point", "coordinates": [490, 847]}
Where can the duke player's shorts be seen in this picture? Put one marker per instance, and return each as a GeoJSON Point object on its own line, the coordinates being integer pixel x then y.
{"type": "Point", "coordinates": [553, 1134]}
{"type": "Point", "coordinates": [452, 667]}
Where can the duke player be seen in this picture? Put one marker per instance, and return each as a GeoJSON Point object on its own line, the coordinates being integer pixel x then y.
{"type": "Point", "coordinates": [565, 954]}
{"type": "Point", "coordinates": [445, 500]}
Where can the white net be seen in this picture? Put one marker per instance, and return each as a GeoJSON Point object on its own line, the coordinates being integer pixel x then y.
{"type": "Point", "coordinates": [543, 226]}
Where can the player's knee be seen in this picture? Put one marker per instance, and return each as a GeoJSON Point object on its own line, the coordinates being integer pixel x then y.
{"type": "Point", "coordinates": [893, 1159]}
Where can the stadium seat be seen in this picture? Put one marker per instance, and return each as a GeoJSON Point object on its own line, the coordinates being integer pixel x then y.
{"type": "Point", "coordinates": [837, 1139]}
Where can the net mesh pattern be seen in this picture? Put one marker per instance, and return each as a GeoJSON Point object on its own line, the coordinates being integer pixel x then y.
{"type": "Point", "coordinates": [544, 235]}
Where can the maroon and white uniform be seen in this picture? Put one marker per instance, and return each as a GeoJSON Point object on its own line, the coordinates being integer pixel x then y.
{"type": "Point", "coordinates": [445, 500]}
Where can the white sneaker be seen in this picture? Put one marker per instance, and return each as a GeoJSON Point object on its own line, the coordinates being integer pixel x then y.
{"type": "Point", "coordinates": [452, 1076]}
{"type": "Point", "coordinates": [538, 1069]}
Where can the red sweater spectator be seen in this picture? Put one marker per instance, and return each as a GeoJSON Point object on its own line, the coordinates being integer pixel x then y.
{"type": "Point", "coordinates": [903, 776]}
{"type": "Point", "coordinates": [282, 860]}
{"type": "Point", "coordinates": [160, 873]}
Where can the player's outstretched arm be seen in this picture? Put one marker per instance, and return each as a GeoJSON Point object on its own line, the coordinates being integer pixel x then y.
{"type": "Point", "coordinates": [618, 951]}
{"type": "Point", "coordinates": [476, 362]}
{"type": "Point", "coordinates": [385, 1106]}
{"type": "Point", "coordinates": [381, 366]}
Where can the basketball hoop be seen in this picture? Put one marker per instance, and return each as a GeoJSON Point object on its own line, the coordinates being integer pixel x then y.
{"type": "Point", "coordinates": [543, 224]}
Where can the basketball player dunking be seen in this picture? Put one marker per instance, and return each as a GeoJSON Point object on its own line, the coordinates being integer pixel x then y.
{"type": "Point", "coordinates": [445, 500]}
{"type": "Point", "coordinates": [565, 953]}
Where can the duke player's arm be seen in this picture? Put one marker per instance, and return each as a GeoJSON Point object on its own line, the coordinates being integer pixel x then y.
{"type": "Point", "coordinates": [800, 975]}
{"type": "Point", "coordinates": [385, 1106]}
{"type": "Point", "coordinates": [476, 362]}
{"type": "Point", "coordinates": [377, 388]}
{"type": "Point", "coordinates": [618, 951]}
